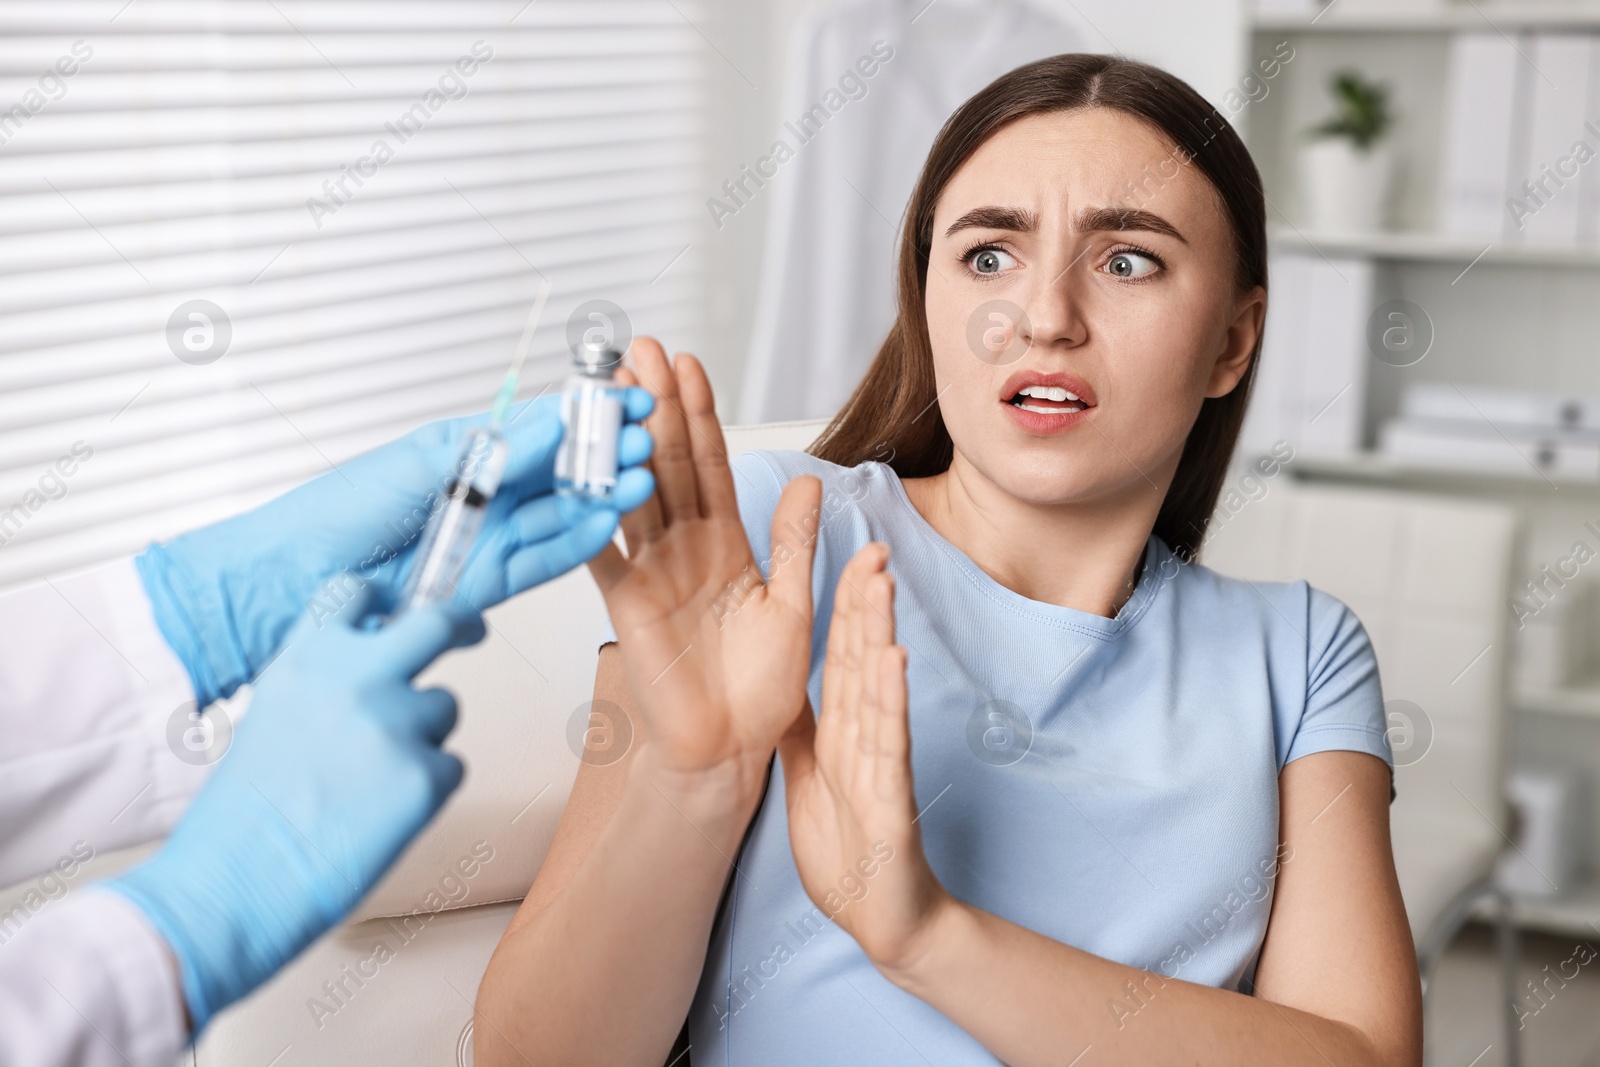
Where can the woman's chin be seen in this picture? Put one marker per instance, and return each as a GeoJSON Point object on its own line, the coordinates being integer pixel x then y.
{"type": "Point", "coordinates": [1048, 489]}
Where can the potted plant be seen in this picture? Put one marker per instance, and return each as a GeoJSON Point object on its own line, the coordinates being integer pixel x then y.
{"type": "Point", "coordinates": [1347, 170]}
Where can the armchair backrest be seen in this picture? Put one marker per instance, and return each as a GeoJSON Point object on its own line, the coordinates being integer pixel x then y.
{"type": "Point", "coordinates": [1429, 577]}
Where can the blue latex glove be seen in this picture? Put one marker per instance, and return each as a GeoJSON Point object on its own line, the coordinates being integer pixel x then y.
{"type": "Point", "coordinates": [225, 595]}
{"type": "Point", "coordinates": [335, 768]}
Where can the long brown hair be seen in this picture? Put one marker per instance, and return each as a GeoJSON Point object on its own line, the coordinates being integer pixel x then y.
{"type": "Point", "coordinates": [895, 406]}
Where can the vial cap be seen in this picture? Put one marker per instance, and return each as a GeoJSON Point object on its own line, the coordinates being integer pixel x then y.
{"type": "Point", "coordinates": [600, 360]}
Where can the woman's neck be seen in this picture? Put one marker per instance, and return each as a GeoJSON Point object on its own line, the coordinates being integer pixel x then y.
{"type": "Point", "coordinates": [1083, 556]}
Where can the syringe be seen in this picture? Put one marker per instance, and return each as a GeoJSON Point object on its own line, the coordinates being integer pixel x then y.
{"type": "Point", "coordinates": [453, 529]}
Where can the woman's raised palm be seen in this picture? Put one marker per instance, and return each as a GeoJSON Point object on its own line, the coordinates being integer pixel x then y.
{"type": "Point", "coordinates": [716, 657]}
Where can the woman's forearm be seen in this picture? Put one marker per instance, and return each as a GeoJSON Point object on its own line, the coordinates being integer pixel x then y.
{"type": "Point", "coordinates": [1032, 1000]}
{"type": "Point", "coordinates": [605, 972]}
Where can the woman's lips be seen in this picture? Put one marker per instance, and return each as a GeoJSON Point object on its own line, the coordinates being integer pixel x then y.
{"type": "Point", "coordinates": [1054, 381]}
{"type": "Point", "coordinates": [1044, 404]}
{"type": "Point", "coordinates": [1046, 423]}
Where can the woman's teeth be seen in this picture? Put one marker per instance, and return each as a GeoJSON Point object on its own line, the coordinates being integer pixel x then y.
{"type": "Point", "coordinates": [1048, 392]}
{"type": "Point", "coordinates": [1057, 400]}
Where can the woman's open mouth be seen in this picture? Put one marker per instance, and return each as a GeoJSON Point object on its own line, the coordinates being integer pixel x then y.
{"type": "Point", "coordinates": [1048, 400]}
{"type": "Point", "coordinates": [1042, 403]}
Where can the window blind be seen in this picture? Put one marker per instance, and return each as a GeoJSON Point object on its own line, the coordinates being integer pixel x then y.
{"type": "Point", "coordinates": [243, 241]}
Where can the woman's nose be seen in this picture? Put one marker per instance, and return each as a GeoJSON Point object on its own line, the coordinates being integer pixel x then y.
{"type": "Point", "coordinates": [1054, 309]}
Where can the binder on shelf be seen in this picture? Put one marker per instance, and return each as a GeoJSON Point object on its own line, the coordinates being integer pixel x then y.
{"type": "Point", "coordinates": [1333, 385]}
{"type": "Point", "coordinates": [1487, 82]}
{"type": "Point", "coordinates": [1498, 448]}
{"type": "Point", "coordinates": [1311, 383]}
{"type": "Point", "coordinates": [1589, 180]}
{"type": "Point", "coordinates": [1542, 201]}
{"type": "Point", "coordinates": [1547, 854]}
{"type": "Point", "coordinates": [1444, 401]}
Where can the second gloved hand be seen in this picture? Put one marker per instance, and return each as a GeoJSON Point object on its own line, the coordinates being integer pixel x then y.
{"type": "Point", "coordinates": [335, 769]}
{"type": "Point", "coordinates": [225, 595]}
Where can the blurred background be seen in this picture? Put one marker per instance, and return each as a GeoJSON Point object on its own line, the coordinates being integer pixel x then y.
{"type": "Point", "coordinates": [244, 240]}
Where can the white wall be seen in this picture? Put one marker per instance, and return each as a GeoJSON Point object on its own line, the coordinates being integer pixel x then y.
{"type": "Point", "coordinates": [1202, 41]}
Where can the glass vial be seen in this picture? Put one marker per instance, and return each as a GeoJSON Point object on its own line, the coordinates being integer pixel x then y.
{"type": "Point", "coordinates": [591, 417]}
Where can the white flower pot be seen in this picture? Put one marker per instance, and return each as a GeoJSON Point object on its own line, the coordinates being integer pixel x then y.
{"type": "Point", "coordinates": [1345, 189]}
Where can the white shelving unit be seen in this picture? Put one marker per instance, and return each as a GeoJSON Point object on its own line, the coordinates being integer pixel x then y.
{"type": "Point", "coordinates": [1506, 314]}
{"type": "Point", "coordinates": [1370, 16]}
{"type": "Point", "coordinates": [1419, 246]}
{"type": "Point", "coordinates": [1573, 914]}
{"type": "Point", "coordinates": [1580, 701]}
{"type": "Point", "coordinates": [1376, 468]}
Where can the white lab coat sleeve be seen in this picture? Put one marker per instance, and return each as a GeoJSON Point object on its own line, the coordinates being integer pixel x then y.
{"type": "Point", "coordinates": [89, 983]}
{"type": "Point", "coordinates": [89, 691]}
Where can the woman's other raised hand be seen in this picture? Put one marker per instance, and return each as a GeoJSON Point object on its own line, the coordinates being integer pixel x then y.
{"type": "Point", "coordinates": [852, 810]}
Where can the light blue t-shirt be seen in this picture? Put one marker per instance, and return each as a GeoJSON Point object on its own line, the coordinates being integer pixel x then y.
{"type": "Point", "coordinates": [1110, 783]}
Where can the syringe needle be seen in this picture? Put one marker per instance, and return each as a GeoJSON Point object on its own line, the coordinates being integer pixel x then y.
{"type": "Point", "coordinates": [508, 387]}
{"type": "Point", "coordinates": [448, 538]}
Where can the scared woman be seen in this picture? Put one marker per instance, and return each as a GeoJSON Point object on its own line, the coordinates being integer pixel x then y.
{"type": "Point", "coordinates": [1049, 791]}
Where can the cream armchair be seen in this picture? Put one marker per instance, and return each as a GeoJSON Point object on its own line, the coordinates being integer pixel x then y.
{"type": "Point", "coordinates": [1430, 578]}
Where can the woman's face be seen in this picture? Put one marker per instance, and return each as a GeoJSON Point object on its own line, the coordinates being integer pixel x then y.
{"type": "Point", "coordinates": [1082, 302]}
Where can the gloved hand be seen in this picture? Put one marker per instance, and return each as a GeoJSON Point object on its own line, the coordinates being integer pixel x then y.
{"type": "Point", "coordinates": [336, 767]}
{"type": "Point", "coordinates": [225, 595]}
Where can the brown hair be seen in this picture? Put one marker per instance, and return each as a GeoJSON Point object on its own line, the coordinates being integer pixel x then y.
{"type": "Point", "coordinates": [895, 406]}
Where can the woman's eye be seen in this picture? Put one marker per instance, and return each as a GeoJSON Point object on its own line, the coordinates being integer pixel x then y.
{"type": "Point", "coordinates": [990, 261]}
{"type": "Point", "coordinates": [1131, 265]}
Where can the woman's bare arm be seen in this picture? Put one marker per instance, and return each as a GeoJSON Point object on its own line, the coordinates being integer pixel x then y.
{"type": "Point", "coordinates": [596, 794]}
{"type": "Point", "coordinates": [600, 963]}
{"type": "Point", "coordinates": [1336, 982]}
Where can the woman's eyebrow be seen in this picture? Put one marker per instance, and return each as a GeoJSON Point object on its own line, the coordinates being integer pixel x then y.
{"type": "Point", "coordinates": [1016, 219]}
{"type": "Point", "coordinates": [1090, 220]}
{"type": "Point", "coordinates": [1098, 219]}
